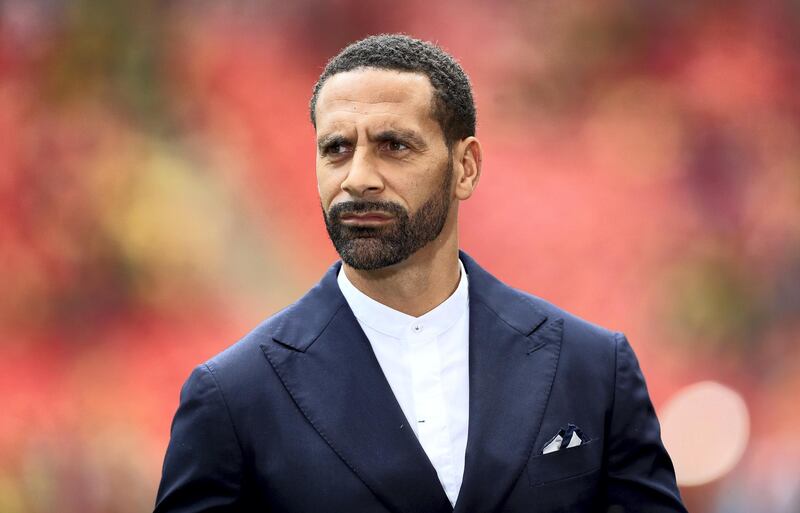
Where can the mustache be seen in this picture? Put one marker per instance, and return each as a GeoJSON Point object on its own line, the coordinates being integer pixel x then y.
{"type": "Point", "coordinates": [360, 207]}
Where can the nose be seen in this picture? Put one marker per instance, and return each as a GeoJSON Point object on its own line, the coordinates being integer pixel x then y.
{"type": "Point", "coordinates": [363, 176]}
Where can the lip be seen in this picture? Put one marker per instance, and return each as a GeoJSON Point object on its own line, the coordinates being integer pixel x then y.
{"type": "Point", "coordinates": [367, 218]}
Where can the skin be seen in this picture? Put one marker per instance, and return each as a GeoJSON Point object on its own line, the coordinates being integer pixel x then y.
{"type": "Point", "coordinates": [377, 140]}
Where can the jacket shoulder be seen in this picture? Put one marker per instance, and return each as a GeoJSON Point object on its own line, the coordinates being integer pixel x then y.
{"type": "Point", "coordinates": [245, 352]}
{"type": "Point", "coordinates": [297, 326]}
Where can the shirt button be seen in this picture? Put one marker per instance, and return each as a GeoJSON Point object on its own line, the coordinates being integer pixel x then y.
{"type": "Point", "coordinates": [417, 328]}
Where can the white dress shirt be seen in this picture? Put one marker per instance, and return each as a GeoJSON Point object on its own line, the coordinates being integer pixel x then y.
{"type": "Point", "coordinates": [425, 360]}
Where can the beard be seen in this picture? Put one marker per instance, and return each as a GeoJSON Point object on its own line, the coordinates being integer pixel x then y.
{"type": "Point", "coordinates": [376, 247]}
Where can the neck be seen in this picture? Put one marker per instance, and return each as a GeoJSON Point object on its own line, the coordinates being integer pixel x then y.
{"type": "Point", "coordinates": [418, 284]}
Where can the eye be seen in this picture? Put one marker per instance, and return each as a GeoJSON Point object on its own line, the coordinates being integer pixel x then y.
{"type": "Point", "coordinates": [335, 149]}
{"type": "Point", "coordinates": [396, 146]}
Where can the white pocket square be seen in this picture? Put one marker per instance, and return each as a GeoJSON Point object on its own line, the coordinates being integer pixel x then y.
{"type": "Point", "coordinates": [566, 438]}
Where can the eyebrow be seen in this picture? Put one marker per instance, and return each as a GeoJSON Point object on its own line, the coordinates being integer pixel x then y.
{"type": "Point", "coordinates": [329, 139]}
{"type": "Point", "coordinates": [409, 136]}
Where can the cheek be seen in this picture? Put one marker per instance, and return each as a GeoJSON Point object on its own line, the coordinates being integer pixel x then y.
{"type": "Point", "coordinates": [417, 188]}
{"type": "Point", "coordinates": [327, 187]}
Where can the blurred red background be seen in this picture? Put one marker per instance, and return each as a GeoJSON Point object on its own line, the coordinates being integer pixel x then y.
{"type": "Point", "coordinates": [158, 199]}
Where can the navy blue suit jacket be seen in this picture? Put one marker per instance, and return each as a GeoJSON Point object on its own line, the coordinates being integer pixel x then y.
{"type": "Point", "coordinates": [298, 417]}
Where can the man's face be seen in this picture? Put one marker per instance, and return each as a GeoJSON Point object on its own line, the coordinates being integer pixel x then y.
{"type": "Point", "coordinates": [384, 172]}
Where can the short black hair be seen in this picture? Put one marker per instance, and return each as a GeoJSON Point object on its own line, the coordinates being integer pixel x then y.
{"type": "Point", "coordinates": [453, 106]}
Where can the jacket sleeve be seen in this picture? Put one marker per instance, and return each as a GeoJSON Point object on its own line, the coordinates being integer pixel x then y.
{"type": "Point", "coordinates": [640, 473]}
{"type": "Point", "coordinates": [203, 466]}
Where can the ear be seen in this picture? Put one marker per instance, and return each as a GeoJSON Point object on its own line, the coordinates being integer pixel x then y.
{"type": "Point", "coordinates": [467, 166]}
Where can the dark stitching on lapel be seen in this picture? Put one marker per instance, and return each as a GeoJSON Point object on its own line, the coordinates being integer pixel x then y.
{"type": "Point", "coordinates": [536, 328]}
{"type": "Point", "coordinates": [536, 347]}
{"type": "Point", "coordinates": [287, 346]}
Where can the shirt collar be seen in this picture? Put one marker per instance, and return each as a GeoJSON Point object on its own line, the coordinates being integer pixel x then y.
{"type": "Point", "coordinates": [396, 324]}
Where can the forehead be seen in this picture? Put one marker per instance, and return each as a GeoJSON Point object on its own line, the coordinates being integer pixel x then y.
{"type": "Point", "coordinates": [375, 95]}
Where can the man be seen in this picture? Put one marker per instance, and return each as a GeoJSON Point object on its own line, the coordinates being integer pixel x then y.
{"type": "Point", "coordinates": [409, 379]}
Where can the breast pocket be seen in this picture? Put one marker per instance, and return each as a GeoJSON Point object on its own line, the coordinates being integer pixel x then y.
{"type": "Point", "coordinates": [565, 463]}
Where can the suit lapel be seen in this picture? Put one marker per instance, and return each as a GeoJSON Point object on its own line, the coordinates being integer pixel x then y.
{"type": "Point", "coordinates": [327, 365]}
{"type": "Point", "coordinates": [513, 355]}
